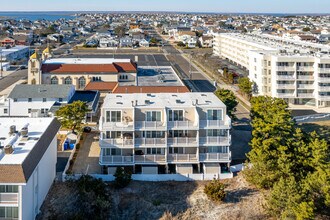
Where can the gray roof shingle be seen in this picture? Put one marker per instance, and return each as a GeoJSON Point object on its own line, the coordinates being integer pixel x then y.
{"type": "Point", "coordinates": [40, 91]}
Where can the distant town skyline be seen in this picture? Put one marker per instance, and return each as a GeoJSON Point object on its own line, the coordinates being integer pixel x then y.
{"type": "Point", "coordinates": [218, 6]}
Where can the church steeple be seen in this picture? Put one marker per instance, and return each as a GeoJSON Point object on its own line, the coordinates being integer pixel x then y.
{"type": "Point", "coordinates": [47, 53]}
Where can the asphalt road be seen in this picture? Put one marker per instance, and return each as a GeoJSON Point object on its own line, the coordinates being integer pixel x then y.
{"type": "Point", "coordinates": [12, 78]}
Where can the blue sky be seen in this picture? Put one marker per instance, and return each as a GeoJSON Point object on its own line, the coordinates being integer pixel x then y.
{"type": "Point", "coordinates": [257, 6]}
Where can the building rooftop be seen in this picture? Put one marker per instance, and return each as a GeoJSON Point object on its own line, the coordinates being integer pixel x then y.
{"type": "Point", "coordinates": [150, 89]}
{"type": "Point", "coordinates": [40, 91]}
{"type": "Point", "coordinates": [17, 166]}
{"type": "Point", "coordinates": [91, 98]}
{"type": "Point", "coordinates": [162, 100]}
{"type": "Point", "coordinates": [158, 76]}
{"type": "Point", "coordinates": [85, 61]}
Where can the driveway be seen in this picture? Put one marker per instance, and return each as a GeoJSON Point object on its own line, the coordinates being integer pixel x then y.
{"type": "Point", "coordinates": [87, 161]}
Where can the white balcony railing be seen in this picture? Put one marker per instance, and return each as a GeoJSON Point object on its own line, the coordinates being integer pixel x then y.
{"type": "Point", "coordinates": [118, 126]}
{"type": "Point", "coordinates": [324, 70]}
{"type": "Point", "coordinates": [324, 98]}
{"type": "Point", "coordinates": [182, 141]}
{"type": "Point", "coordinates": [216, 123]}
{"type": "Point", "coordinates": [117, 142]}
{"type": "Point", "coordinates": [305, 68]}
{"type": "Point", "coordinates": [305, 95]}
{"type": "Point", "coordinates": [215, 157]}
{"type": "Point", "coordinates": [116, 159]}
{"type": "Point", "coordinates": [182, 125]}
{"type": "Point", "coordinates": [8, 198]}
{"type": "Point", "coordinates": [286, 86]}
{"type": "Point", "coordinates": [305, 77]}
{"type": "Point", "coordinates": [285, 77]}
{"type": "Point", "coordinates": [219, 140]}
{"type": "Point", "coordinates": [153, 125]}
{"type": "Point", "coordinates": [285, 95]}
{"type": "Point", "coordinates": [285, 68]}
{"type": "Point", "coordinates": [182, 158]}
{"type": "Point", "coordinates": [149, 159]}
{"type": "Point", "coordinates": [324, 79]}
{"type": "Point", "coordinates": [306, 86]}
{"type": "Point", "coordinates": [150, 141]}
{"type": "Point", "coordinates": [324, 88]}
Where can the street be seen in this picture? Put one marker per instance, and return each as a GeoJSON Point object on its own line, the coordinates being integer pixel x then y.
{"type": "Point", "coordinates": [13, 78]}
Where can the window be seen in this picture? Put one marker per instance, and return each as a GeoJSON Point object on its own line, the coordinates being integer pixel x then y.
{"type": "Point", "coordinates": [153, 134]}
{"type": "Point", "coordinates": [115, 151]}
{"type": "Point", "coordinates": [15, 100]}
{"type": "Point", "coordinates": [154, 116]}
{"type": "Point", "coordinates": [216, 132]}
{"type": "Point", "coordinates": [175, 115]}
{"type": "Point", "coordinates": [115, 116]}
{"type": "Point", "coordinates": [112, 134]}
{"type": "Point", "coordinates": [8, 189]}
{"type": "Point", "coordinates": [44, 100]}
{"type": "Point", "coordinates": [177, 133]}
{"type": "Point", "coordinates": [29, 111]}
{"type": "Point", "coordinates": [214, 114]}
{"type": "Point", "coordinates": [176, 150]}
{"type": "Point", "coordinates": [29, 99]}
{"type": "Point", "coordinates": [42, 111]}
{"type": "Point", "coordinates": [5, 111]}
{"type": "Point", "coordinates": [82, 82]}
{"type": "Point", "coordinates": [54, 80]}
{"type": "Point", "coordinates": [60, 100]}
{"type": "Point", "coordinates": [68, 80]}
{"type": "Point", "coordinates": [155, 151]}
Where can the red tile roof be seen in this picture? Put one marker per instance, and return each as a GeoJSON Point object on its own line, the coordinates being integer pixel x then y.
{"type": "Point", "coordinates": [150, 89]}
{"type": "Point", "coordinates": [89, 68]}
{"type": "Point", "coordinates": [101, 86]}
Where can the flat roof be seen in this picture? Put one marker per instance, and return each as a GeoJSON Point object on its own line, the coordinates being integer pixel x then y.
{"type": "Point", "coordinates": [22, 148]}
{"type": "Point", "coordinates": [162, 100]}
{"type": "Point", "coordinates": [85, 61]}
{"type": "Point", "coordinates": [40, 91]}
{"type": "Point", "coordinates": [158, 76]}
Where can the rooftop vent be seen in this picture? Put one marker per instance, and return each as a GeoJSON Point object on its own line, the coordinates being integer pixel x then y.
{"type": "Point", "coordinates": [9, 149]}
{"type": "Point", "coordinates": [119, 103]}
{"type": "Point", "coordinates": [12, 129]}
{"type": "Point", "coordinates": [118, 96]}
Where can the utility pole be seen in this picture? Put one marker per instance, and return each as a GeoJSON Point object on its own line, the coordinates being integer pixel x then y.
{"type": "Point", "coordinates": [1, 63]}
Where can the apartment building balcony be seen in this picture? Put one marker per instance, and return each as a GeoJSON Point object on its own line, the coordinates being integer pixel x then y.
{"type": "Point", "coordinates": [285, 68]}
{"type": "Point", "coordinates": [324, 88]}
{"type": "Point", "coordinates": [182, 141]}
{"type": "Point", "coordinates": [209, 124]}
{"type": "Point", "coordinates": [142, 142]}
{"type": "Point", "coordinates": [8, 198]}
{"type": "Point", "coordinates": [118, 126]}
{"type": "Point", "coordinates": [117, 142]}
{"type": "Point", "coordinates": [182, 158]}
{"type": "Point", "coordinates": [305, 77]}
{"type": "Point", "coordinates": [186, 125]}
{"type": "Point", "coordinates": [285, 77]}
{"type": "Point", "coordinates": [324, 97]}
{"type": "Point", "coordinates": [306, 86]}
{"type": "Point", "coordinates": [305, 68]}
{"type": "Point", "coordinates": [150, 159]}
{"type": "Point", "coordinates": [285, 95]}
{"type": "Point", "coordinates": [286, 86]}
{"type": "Point", "coordinates": [219, 140]}
{"type": "Point", "coordinates": [305, 95]}
{"type": "Point", "coordinates": [324, 70]}
{"type": "Point", "coordinates": [324, 79]}
{"type": "Point", "coordinates": [105, 160]}
{"type": "Point", "coordinates": [150, 125]}
{"type": "Point", "coordinates": [215, 157]}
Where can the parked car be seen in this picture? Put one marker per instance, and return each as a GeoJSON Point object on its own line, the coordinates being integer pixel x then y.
{"type": "Point", "coordinates": [87, 129]}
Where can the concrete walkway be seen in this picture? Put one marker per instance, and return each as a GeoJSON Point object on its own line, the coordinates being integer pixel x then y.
{"type": "Point", "coordinates": [87, 161]}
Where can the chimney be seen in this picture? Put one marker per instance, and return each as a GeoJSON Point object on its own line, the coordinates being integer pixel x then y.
{"type": "Point", "coordinates": [196, 101]}
{"type": "Point", "coordinates": [132, 103]}
{"type": "Point", "coordinates": [136, 102]}
{"type": "Point", "coordinates": [8, 149]}
{"type": "Point", "coordinates": [12, 129]}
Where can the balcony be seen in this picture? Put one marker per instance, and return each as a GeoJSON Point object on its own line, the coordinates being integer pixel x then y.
{"type": "Point", "coordinates": [324, 88]}
{"type": "Point", "coordinates": [324, 70]}
{"type": "Point", "coordinates": [286, 86]}
{"type": "Point", "coordinates": [305, 68]}
{"type": "Point", "coordinates": [182, 141]}
{"type": "Point", "coordinates": [306, 86]}
{"type": "Point", "coordinates": [150, 142]}
{"type": "Point", "coordinates": [119, 126]}
{"type": "Point", "coordinates": [8, 198]}
{"type": "Point", "coordinates": [305, 77]}
{"type": "Point", "coordinates": [182, 158]}
{"type": "Point", "coordinates": [324, 98]}
{"type": "Point", "coordinates": [285, 95]}
{"type": "Point", "coordinates": [219, 140]}
{"type": "Point", "coordinates": [150, 125]}
{"type": "Point", "coordinates": [186, 125]}
{"type": "Point", "coordinates": [215, 157]}
{"type": "Point", "coordinates": [149, 159]}
{"type": "Point", "coordinates": [116, 160]}
{"type": "Point", "coordinates": [226, 124]}
{"type": "Point", "coordinates": [285, 77]}
{"type": "Point", "coordinates": [285, 68]}
{"type": "Point", "coordinates": [117, 142]}
{"type": "Point", "coordinates": [324, 79]}
{"type": "Point", "coordinates": [305, 95]}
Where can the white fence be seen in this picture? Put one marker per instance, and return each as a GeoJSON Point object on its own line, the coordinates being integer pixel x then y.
{"type": "Point", "coordinates": [158, 177]}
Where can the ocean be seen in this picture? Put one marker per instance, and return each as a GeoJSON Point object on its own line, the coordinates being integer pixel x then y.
{"type": "Point", "coordinates": [33, 16]}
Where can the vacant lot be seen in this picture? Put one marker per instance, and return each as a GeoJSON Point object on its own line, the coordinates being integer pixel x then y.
{"type": "Point", "coordinates": [165, 200]}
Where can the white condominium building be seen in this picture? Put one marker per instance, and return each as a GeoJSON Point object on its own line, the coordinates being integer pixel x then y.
{"type": "Point", "coordinates": [28, 150]}
{"type": "Point", "coordinates": [296, 71]}
{"type": "Point", "coordinates": [165, 133]}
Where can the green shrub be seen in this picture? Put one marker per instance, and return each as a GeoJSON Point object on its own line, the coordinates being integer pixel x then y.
{"type": "Point", "coordinates": [215, 190]}
{"type": "Point", "coordinates": [123, 177]}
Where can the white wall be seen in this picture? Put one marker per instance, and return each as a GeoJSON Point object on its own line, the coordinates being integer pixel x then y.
{"type": "Point", "coordinates": [43, 176]}
{"type": "Point", "coordinates": [20, 108]}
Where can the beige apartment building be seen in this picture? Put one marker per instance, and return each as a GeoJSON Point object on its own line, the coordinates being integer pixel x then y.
{"type": "Point", "coordinates": [165, 133]}
{"type": "Point", "coordinates": [296, 71]}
